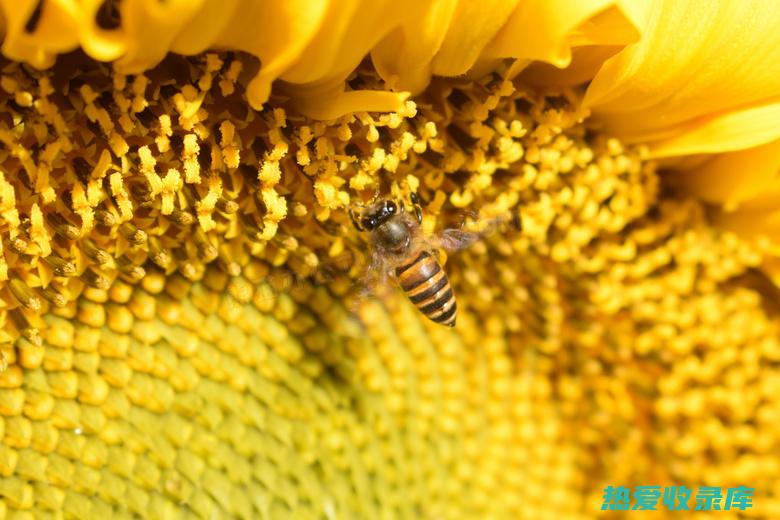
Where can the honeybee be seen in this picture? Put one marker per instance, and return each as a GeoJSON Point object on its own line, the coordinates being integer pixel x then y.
{"type": "Point", "coordinates": [400, 251]}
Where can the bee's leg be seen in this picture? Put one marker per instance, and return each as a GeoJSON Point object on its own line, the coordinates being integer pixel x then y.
{"type": "Point", "coordinates": [440, 254]}
{"type": "Point", "coordinates": [517, 223]}
{"type": "Point", "coordinates": [417, 209]}
{"type": "Point", "coordinates": [354, 220]}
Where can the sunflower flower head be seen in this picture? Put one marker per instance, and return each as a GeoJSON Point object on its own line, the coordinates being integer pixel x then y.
{"type": "Point", "coordinates": [182, 330]}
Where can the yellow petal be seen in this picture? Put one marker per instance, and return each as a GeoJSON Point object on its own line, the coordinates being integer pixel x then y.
{"type": "Point", "coordinates": [100, 43]}
{"type": "Point", "coordinates": [316, 44]}
{"type": "Point", "coordinates": [350, 29]}
{"type": "Point", "coordinates": [330, 101]}
{"type": "Point", "coordinates": [696, 59]}
{"type": "Point", "coordinates": [206, 27]}
{"type": "Point", "coordinates": [746, 179]}
{"type": "Point", "coordinates": [771, 266]}
{"type": "Point", "coordinates": [734, 130]}
{"type": "Point", "coordinates": [275, 32]}
{"type": "Point", "coordinates": [403, 58]}
{"type": "Point", "coordinates": [547, 30]}
{"type": "Point", "coordinates": [745, 185]}
{"type": "Point", "coordinates": [473, 26]}
{"type": "Point", "coordinates": [37, 33]}
{"type": "Point", "coordinates": [150, 27]}
{"type": "Point", "coordinates": [750, 223]}
{"type": "Point", "coordinates": [585, 63]}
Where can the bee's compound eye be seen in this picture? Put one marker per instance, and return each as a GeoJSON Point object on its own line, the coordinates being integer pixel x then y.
{"type": "Point", "coordinates": [369, 223]}
{"type": "Point", "coordinates": [391, 207]}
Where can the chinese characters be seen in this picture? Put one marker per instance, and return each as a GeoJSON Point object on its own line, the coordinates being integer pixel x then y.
{"type": "Point", "coordinates": [676, 498]}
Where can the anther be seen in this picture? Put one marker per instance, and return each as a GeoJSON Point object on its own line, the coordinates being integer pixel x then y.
{"type": "Point", "coordinates": [182, 218]}
{"type": "Point", "coordinates": [141, 192]}
{"type": "Point", "coordinates": [18, 245]}
{"type": "Point", "coordinates": [105, 217]}
{"type": "Point", "coordinates": [62, 227]}
{"type": "Point", "coordinates": [227, 206]}
{"type": "Point", "coordinates": [95, 279]}
{"type": "Point", "coordinates": [227, 264]}
{"type": "Point", "coordinates": [93, 252]}
{"type": "Point", "coordinates": [24, 294]}
{"type": "Point", "coordinates": [128, 271]}
{"type": "Point", "coordinates": [206, 251]}
{"type": "Point", "coordinates": [60, 266]}
{"type": "Point", "coordinates": [133, 235]}
{"type": "Point", "coordinates": [158, 254]}
{"type": "Point", "coordinates": [24, 327]}
{"type": "Point", "coordinates": [54, 296]}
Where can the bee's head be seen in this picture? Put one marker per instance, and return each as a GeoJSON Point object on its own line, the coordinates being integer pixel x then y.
{"type": "Point", "coordinates": [387, 224]}
{"type": "Point", "coordinates": [378, 214]}
{"type": "Point", "coordinates": [388, 228]}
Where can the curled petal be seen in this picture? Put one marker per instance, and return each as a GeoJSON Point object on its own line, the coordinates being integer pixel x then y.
{"type": "Point", "coordinates": [36, 32]}
{"type": "Point", "coordinates": [473, 26]}
{"type": "Point", "coordinates": [746, 180]}
{"type": "Point", "coordinates": [331, 101]}
{"type": "Point", "coordinates": [149, 28]}
{"type": "Point", "coordinates": [688, 66]}
{"type": "Point", "coordinates": [771, 266]}
{"type": "Point", "coordinates": [100, 41]}
{"type": "Point", "coordinates": [734, 130]}
{"type": "Point", "coordinates": [276, 32]}
{"type": "Point", "coordinates": [310, 43]}
{"type": "Point", "coordinates": [745, 187]}
{"type": "Point", "coordinates": [744, 223]}
{"type": "Point", "coordinates": [585, 63]}
{"type": "Point", "coordinates": [403, 58]}
{"type": "Point", "coordinates": [547, 30]}
{"type": "Point", "coordinates": [316, 44]}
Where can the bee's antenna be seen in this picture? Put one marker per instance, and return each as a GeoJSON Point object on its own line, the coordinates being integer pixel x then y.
{"type": "Point", "coordinates": [517, 223]}
{"type": "Point", "coordinates": [417, 209]}
{"type": "Point", "coordinates": [383, 187]}
{"type": "Point", "coordinates": [355, 221]}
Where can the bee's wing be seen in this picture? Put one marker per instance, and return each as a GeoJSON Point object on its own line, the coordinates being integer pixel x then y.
{"type": "Point", "coordinates": [455, 239]}
{"type": "Point", "coordinates": [372, 285]}
{"type": "Point", "coordinates": [375, 278]}
{"type": "Point", "coordinates": [335, 267]}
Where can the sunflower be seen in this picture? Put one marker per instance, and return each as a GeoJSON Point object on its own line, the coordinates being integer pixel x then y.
{"type": "Point", "coordinates": [182, 330]}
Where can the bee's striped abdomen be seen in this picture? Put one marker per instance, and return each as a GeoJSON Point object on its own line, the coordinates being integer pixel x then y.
{"type": "Point", "coordinates": [426, 284]}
